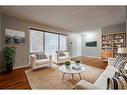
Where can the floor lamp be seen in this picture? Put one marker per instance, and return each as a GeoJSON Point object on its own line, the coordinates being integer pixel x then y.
{"type": "Point", "coordinates": [122, 51]}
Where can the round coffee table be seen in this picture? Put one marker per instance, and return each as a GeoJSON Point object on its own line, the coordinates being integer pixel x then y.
{"type": "Point", "coordinates": [72, 71]}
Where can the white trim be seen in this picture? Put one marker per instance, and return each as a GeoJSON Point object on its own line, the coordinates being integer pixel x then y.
{"type": "Point", "coordinates": [21, 67]}
{"type": "Point", "coordinates": [76, 56]}
{"type": "Point", "coordinates": [85, 56]}
{"type": "Point", "coordinates": [92, 56]}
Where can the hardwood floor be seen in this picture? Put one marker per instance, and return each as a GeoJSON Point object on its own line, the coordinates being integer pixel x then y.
{"type": "Point", "coordinates": [14, 80]}
{"type": "Point", "coordinates": [18, 80]}
{"type": "Point", "coordinates": [96, 62]}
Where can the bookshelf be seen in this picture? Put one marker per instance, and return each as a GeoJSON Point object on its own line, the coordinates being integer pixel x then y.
{"type": "Point", "coordinates": [111, 42]}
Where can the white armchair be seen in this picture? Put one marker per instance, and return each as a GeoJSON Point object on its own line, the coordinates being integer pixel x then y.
{"type": "Point", "coordinates": [38, 61]}
{"type": "Point", "coordinates": [61, 57]}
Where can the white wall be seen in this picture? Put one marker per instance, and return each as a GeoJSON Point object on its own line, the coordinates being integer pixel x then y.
{"type": "Point", "coordinates": [126, 32]}
{"type": "Point", "coordinates": [0, 29]}
{"type": "Point", "coordinates": [126, 26]}
{"type": "Point", "coordinates": [0, 39]}
{"type": "Point", "coordinates": [88, 36]}
{"type": "Point", "coordinates": [74, 44]}
{"type": "Point", "coordinates": [22, 51]}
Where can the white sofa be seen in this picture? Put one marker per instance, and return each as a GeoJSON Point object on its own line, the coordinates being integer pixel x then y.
{"type": "Point", "coordinates": [58, 59]}
{"type": "Point", "coordinates": [101, 82]}
{"type": "Point", "coordinates": [40, 63]}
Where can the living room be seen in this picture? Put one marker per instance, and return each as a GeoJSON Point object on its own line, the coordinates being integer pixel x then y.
{"type": "Point", "coordinates": [76, 30]}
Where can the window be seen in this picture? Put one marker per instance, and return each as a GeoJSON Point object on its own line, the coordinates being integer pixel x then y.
{"type": "Point", "coordinates": [45, 41]}
{"type": "Point", "coordinates": [36, 41]}
{"type": "Point", "coordinates": [51, 43]}
{"type": "Point", "coordinates": [63, 42]}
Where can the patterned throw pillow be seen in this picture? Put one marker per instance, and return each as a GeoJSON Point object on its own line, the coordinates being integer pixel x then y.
{"type": "Point", "coordinates": [40, 55]}
{"type": "Point", "coordinates": [61, 54]}
{"type": "Point", "coordinates": [120, 62]}
{"type": "Point", "coordinates": [121, 72]}
{"type": "Point", "coordinates": [117, 82]}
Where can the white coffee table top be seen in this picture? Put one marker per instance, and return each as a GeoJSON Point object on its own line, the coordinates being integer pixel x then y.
{"type": "Point", "coordinates": [71, 70]}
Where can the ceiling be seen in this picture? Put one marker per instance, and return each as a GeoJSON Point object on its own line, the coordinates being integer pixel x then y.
{"type": "Point", "coordinates": [70, 18]}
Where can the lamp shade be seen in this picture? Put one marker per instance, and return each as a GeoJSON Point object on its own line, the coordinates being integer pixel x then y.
{"type": "Point", "coordinates": [122, 50]}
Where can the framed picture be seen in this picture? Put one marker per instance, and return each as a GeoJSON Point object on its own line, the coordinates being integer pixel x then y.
{"type": "Point", "coordinates": [14, 37]}
{"type": "Point", "coordinates": [91, 44]}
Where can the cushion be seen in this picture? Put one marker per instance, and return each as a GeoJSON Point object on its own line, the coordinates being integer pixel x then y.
{"type": "Point", "coordinates": [109, 71]}
{"type": "Point", "coordinates": [40, 55]}
{"type": "Point", "coordinates": [101, 82]}
{"type": "Point", "coordinates": [121, 72]}
{"type": "Point", "coordinates": [40, 62]}
{"type": "Point", "coordinates": [117, 82]}
{"type": "Point", "coordinates": [64, 58]}
{"type": "Point", "coordinates": [82, 84]}
{"type": "Point", "coordinates": [61, 54]}
{"type": "Point", "coordinates": [120, 62]}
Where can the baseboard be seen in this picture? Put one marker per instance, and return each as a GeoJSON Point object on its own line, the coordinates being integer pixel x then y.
{"type": "Point", "coordinates": [85, 56]}
{"type": "Point", "coordinates": [92, 57]}
{"type": "Point", "coordinates": [21, 67]}
{"type": "Point", "coordinates": [2, 70]}
{"type": "Point", "coordinates": [76, 56]}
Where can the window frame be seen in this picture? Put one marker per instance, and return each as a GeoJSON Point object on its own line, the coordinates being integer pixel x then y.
{"type": "Point", "coordinates": [44, 31]}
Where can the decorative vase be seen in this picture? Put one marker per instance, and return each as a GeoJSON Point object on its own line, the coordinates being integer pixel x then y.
{"type": "Point", "coordinates": [67, 66]}
{"type": "Point", "coordinates": [9, 67]}
{"type": "Point", "coordinates": [78, 64]}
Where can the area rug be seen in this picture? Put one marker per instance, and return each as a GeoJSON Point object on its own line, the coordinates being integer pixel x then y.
{"type": "Point", "coordinates": [51, 78]}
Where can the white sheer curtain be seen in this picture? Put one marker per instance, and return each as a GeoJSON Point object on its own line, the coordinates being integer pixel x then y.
{"type": "Point", "coordinates": [36, 41]}
{"type": "Point", "coordinates": [51, 43]}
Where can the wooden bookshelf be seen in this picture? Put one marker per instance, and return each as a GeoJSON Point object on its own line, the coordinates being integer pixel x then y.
{"type": "Point", "coordinates": [111, 42]}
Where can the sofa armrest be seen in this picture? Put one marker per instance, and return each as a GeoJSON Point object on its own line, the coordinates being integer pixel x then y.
{"type": "Point", "coordinates": [50, 59]}
{"type": "Point", "coordinates": [111, 61]}
{"type": "Point", "coordinates": [55, 58]}
{"type": "Point", "coordinates": [85, 85]}
{"type": "Point", "coordinates": [33, 60]}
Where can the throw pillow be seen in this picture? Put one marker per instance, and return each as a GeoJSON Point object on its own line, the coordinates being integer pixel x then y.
{"type": "Point", "coordinates": [40, 55]}
{"type": "Point", "coordinates": [117, 82]}
{"type": "Point", "coordinates": [120, 62]}
{"type": "Point", "coordinates": [121, 72]}
{"type": "Point", "coordinates": [61, 54]}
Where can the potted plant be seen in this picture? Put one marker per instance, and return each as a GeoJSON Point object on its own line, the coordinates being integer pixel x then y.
{"type": "Point", "coordinates": [77, 62]}
{"type": "Point", "coordinates": [67, 64]}
{"type": "Point", "coordinates": [9, 57]}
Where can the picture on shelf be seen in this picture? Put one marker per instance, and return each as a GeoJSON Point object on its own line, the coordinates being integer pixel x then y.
{"type": "Point", "coordinates": [91, 44]}
{"type": "Point", "coordinates": [14, 37]}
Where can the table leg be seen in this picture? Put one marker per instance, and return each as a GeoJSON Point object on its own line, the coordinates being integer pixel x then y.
{"type": "Point", "coordinates": [72, 76]}
{"type": "Point", "coordinates": [63, 75]}
{"type": "Point", "coordinates": [80, 76]}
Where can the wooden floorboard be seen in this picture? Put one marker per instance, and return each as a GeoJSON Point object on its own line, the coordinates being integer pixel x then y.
{"type": "Point", "coordinates": [96, 62]}
{"type": "Point", "coordinates": [14, 80]}
{"type": "Point", "coordinates": [18, 80]}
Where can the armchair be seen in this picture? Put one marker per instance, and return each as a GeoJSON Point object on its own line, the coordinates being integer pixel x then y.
{"type": "Point", "coordinates": [39, 60]}
{"type": "Point", "coordinates": [61, 57]}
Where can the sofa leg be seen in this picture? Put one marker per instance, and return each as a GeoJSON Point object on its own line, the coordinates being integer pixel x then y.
{"type": "Point", "coordinates": [50, 65]}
